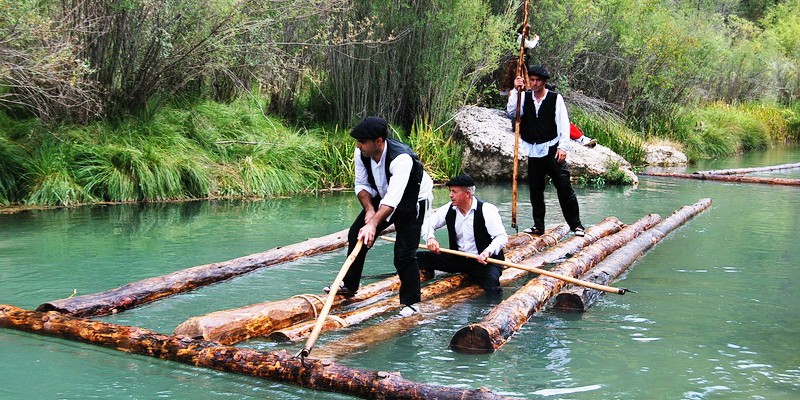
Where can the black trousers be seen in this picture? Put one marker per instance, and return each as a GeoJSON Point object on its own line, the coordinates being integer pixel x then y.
{"type": "Point", "coordinates": [408, 226]}
{"type": "Point", "coordinates": [485, 276]}
{"type": "Point", "coordinates": [538, 168]}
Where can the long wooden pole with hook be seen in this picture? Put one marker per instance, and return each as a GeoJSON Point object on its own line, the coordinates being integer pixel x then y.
{"type": "Point", "coordinates": [520, 72]}
{"type": "Point", "coordinates": [576, 281]}
{"type": "Point", "coordinates": [312, 338]}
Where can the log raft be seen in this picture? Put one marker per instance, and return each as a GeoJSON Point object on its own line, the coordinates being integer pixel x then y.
{"type": "Point", "coordinates": [578, 298]}
{"type": "Point", "coordinates": [506, 318]}
{"type": "Point", "coordinates": [728, 178]}
{"type": "Point", "coordinates": [378, 333]}
{"type": "Point", "coordinates": [148, 290]}
{"type": "Point", "coordinates": [262, 319]}
{"type": "Point", "coordinates": [277, 366]}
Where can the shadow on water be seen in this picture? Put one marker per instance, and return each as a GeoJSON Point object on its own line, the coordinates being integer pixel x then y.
{"type": "Point", "coordinates": [714, 316]}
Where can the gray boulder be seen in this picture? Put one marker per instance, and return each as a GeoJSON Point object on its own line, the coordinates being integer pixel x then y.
{"type": "Point", "coordinates": [664, 155]}
{"type": "Point", "coordinates": [488, 137]}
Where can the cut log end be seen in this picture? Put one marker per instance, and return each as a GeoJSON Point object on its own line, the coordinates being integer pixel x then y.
{"type": "Point", "coordinates": [569, 302]}
{"type": "Point", "coordinates": [473, 339]}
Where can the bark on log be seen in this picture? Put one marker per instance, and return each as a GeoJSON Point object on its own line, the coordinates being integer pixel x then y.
{"type": "Point", "coordinates": [236, 325]}
{"type": "Point", "coordinates": [281, 367]}
{"type": "Point", "coordinates": [148, 290]}
{"type": "Point", "coordinates": [527, 244]}
{"type": "Point", "coordinates": [374, 334]}
{"type": "Point", "coordinates": [578, 298]}
{"type": "Point", "coordinates": [505, 319]}
{"type": "Point", "coordinates": [728, 178]}
{"type": "Point", "coordinates": [738, 171]}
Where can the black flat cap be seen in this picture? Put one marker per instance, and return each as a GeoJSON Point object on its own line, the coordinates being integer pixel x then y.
{"type": "Point", "coordinates": [461, 180]}
{"type": "Point", "coordinates": [538, 70]}
{"type": "Point", "coordinates": [371, 128]}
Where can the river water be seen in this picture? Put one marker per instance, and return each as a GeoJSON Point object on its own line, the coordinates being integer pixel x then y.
{"type": "Point", "coordinates": [715, 315]}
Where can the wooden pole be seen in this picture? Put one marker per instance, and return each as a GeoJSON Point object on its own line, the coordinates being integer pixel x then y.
{"type": "Point", "coordinates": [509, 316]}
{"type": "Point", "coordinates": [520, 72]}
{"type": "Point", "coordinates": [579, 299]}
{"type": "Point", "coordinates": [323, 315]}
{"type": "Point", "coordinates": [275, 366]}
{"type": "Point", "coordinates": [529, 269]}
{"type": "Point", "coordinates": [728, 178]}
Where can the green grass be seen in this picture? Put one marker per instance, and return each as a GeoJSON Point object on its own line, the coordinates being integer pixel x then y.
{"type": "Point", "coordinates": [211, 150]}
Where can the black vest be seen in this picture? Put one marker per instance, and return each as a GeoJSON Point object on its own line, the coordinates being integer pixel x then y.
{"type": "Point", "coordinates": [539, 128]}
{"type": "Point", "coordinates": [482, 237]}
{"type": "Point", "coordinates": [410, 195]}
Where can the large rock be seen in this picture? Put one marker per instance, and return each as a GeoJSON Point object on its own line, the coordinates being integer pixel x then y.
{"type": "Point", "coordinates": [664, 155]}
{"type": "Point", "coordinates": [489, 149]}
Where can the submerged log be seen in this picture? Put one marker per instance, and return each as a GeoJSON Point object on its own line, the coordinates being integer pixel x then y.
{"type": "Point", "coordinates": [738, 171]}
{"type": "Point", "coordinates": [281, 367]}
{"type": "Point", "coordinates": [505, 319]}
{"type": "Point", "coordinates": [148, 290]}
{"type": "Point", "coordinates": [728, 178]}
{"type": "Point", "coordinates": [374, 334]}
{"type": "Point", "coordinates": [578, 299]}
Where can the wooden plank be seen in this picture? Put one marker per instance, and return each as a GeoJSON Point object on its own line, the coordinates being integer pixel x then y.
{"type": "Point", "coordinates": [507, 317]}
{"type": "Point", "coordinates": [280, 366]}
{"type": "Point", "coordinates": [578, 299]}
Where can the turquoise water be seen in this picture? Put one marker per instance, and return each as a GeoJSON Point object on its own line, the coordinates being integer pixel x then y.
{"type": "Point", "coordinates": [715, 315]}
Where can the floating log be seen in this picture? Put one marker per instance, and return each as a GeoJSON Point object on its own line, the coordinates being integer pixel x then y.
{"type": "Point", "coordinates": [448, 284]}
{"type": "Point", "coordinates": [148, 290]}
{"type": "Point", "coordinates": [236, 325]}
{"type": "Point", "coordinates": [374, 334]}
{"type": "Point", "coordinates": [506, 318]}
{"type": "Point", "coordinates": [280, 366]}
{"type": "Point", "coordinates": [739, 171]}
{"type": "Point", "coordinates": [578, 299]}
{"type": "Point", "coordinates": [728, 178]}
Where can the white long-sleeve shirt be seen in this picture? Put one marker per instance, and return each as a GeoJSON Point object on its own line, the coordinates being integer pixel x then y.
{"type": "Point", "coordinates": [391, 191]}
{"type": "Point", "coordinates": [538, 150]}
{"type": "Point", "coordinates": [464, 226]}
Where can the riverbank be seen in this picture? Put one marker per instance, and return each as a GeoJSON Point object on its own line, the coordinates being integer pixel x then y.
{"type": "Point", "coordinates": [208, 150]}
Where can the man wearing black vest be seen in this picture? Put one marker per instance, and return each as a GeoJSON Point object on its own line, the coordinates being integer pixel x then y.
{"type": "Point", "coordinates": [392, 187]}
{"type": "Point", "coordinates": [473, 226]}
{"type": "Point", "coordinates": [544, 129]}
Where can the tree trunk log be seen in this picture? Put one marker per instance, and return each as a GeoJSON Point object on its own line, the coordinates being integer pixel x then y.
{"type": "Point", "coordinates": [281, 367]}
{"type": "Point", "coordinates": [374, 334]}
{"type": "Point", "coordinates": [578, 298]}
{"type": "Point", "coordinates": [236, 325]}
{"type": "Point", "coordinates": [737, 171]}
{"type": "Point", "coordinates": [728, 178]}
{"type": "Point", "coordinates": [505, 319]}
{"type": "Point", "coordinates": [148, 290]}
